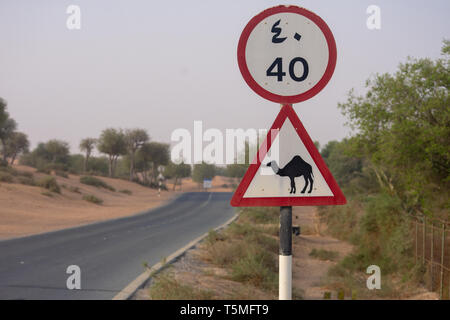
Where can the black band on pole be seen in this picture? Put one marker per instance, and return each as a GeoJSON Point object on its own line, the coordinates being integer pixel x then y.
{"type": "Point", "coordinates": [286, 231]}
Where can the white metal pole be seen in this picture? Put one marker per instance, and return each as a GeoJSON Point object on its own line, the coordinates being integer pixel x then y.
{"type": "Point", "coordinates": [285, 263]}
{"type": "Point", "coordinates": [285, 278]}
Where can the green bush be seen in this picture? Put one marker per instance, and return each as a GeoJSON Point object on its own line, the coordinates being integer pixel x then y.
{"type": "Point", "coordinates": [45, 170]}
{"type": "Point", "coordinates": [6, 177]}
{"type": "Point", "coordinates": [126, 191]}
{"type": "Point", "coordinates": [257, 267]}
{"type": "Point", "coordinates": [26, 174]}
{"type": "Point", "coordinates": [26, 181]}
{"type": "Point", "coordinates": [96, 182]}
{"type": "Point", "coordinates": [93, 199]}
{"type": "Point", "coordinates": [50, 184]}
{"type": "Point", "coordinates": [47, 194]}
{"type": "Point", "coordinates": [9, 170]}
{"type": "Point", "coordinates": [261, 215]}
{"type": "Point", "coordinates": [166, 287]}
{"type": "Point", "coordinates": [62, 174]}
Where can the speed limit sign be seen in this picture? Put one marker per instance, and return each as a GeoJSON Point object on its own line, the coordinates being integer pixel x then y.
{"type": "Point", "coordinates": [287, 54]}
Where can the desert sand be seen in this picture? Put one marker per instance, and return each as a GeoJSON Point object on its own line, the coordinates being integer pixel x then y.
{"type": "Point", "coordinates": [24, 210]}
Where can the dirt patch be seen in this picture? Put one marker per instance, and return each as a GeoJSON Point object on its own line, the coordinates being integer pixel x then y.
{"type": "Point", "coordinates": [308, 271]}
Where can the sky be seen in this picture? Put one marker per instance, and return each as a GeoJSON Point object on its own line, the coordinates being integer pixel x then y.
{"type": "Point", "coordinates": [161, 65]}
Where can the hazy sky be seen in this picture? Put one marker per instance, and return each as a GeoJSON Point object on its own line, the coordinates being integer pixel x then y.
{"type": "Point", "coordinates": [160, 65]}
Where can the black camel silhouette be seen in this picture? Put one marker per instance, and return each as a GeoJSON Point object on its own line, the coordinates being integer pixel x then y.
{"type": "Point", "coordinates": [297, 167]}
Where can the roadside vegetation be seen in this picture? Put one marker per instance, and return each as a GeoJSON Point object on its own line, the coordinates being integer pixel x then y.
{"type": "Point", "coordinates": [395, 166]}
{"type": "Point", "coordinates": [96, 182]}
{"type": "Point", "coordinates": [93, 199]}
{"type": "Point", "coordinates": [246, 253]}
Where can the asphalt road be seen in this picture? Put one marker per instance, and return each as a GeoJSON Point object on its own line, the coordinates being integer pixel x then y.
{"type": "Point", "coordinates": [110, 254]}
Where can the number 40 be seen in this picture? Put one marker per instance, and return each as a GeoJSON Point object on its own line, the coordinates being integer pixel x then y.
{"type": "Point", "coordinates": [278, 64]}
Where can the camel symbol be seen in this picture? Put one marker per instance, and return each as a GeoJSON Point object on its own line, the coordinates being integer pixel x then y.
{"type": "Point", "coordinates": [297, 167]}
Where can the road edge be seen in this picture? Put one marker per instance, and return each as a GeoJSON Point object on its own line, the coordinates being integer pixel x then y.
{"type": "Point", "coordinates": [127, 292]}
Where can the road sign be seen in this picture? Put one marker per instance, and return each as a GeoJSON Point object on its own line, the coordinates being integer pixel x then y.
{"type": "Point", "coordinates": [288, 170]}
{"type": "Point", "coordinates": [207, 184]}
{"type": "Point", "coordinates": [287, 54]}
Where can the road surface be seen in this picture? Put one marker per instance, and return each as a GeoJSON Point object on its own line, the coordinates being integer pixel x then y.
{"type": "Point", "coordinates": [110, 254]}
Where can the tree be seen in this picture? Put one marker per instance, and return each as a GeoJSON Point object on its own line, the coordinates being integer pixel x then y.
{"type": "Point", "coordinates": [7, 126]}
{"type": "Point", "coordinates": [236, 170]}
{"type": "Point", "coordinates": [203, 171]}
{"type": "Point", "coordinates": [6, 131]}
{"type": "Point", "coordinates": [16, 144]}
{"type": "Point", "coordinates": [154, 153]}
{"type": "Point", "coordinates": [3, 114]}
{"type": "Point", "coordinates": [403, 128]}
{"type": "Point", "coordinates": [58, 150]}
{"type": "Point", "coordinates": [135, 138]}
{"type": "Point", "coordinates": [112, 142]}
{"type": "Point", "coordinates": [177, 171]}
{"type": "Point", "coordinates": [87, 145]}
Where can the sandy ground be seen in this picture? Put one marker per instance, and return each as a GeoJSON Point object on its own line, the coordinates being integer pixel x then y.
{"type": "Point", "coordinates": [307, 272]}
{"type": "Point", "coordinates": [24, 210]}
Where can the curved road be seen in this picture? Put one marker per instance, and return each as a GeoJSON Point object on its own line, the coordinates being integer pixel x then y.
{"type": "Point", "coordinates": [110, 254]}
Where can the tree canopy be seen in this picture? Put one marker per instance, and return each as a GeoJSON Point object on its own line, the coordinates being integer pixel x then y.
{"type": "Point", "coordinates": [402, 125]}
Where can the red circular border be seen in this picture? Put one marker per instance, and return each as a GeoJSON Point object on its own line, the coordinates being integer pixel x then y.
{"type": "Point", "coordinates": [275, 97]}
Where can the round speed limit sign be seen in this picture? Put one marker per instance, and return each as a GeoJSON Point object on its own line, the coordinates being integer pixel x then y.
{"type": "Point", "coordinates": [287, 54]}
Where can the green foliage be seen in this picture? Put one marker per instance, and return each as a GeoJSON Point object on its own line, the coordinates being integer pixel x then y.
{"type": "Point", "coordinates": [236, 170]}
{"type": "Point", "coordinates": [401, 144]}
{"type": "Point", "coordinates": [87, 145]}
{"type": "Point", "coordinates": [26, 181]}
{"type": "Point", "coordinates": [61, 174]}
{"type": "Point", "coordinates": [257, 268]}
{"type": "Point", "coordinates": [7, 128]}
{"type": "Point", "coordinates": [6, 177]}
{"type": "Point", "coordinates": [96, 182]}
{"type": "Point", "coordinates": [47, 156]}
{"type": "Point", "coordinates": [152, 155]}
{"type": "Point", "coordinates": [166, 287]}
{"type": "Point", "coordinates": [126, 191]}
{"type": "Point", "coordinates": [179, 171]}
{"type": "Point", "coordinates": [135, 139]}
{"type": "Point", "coordinates": [98, 166]}
{"type": "Point", "coordinates": [71, 188]}
{"type": "Point", "coordinates": [58, 151]}
{"type": "Point", "coordinates": [203, 171]}
{"type": "Point", "coordinates": [112, 142]}
{"type": "Point", "coordinates": [260, 215]}
{"type": "Point", "coordinates": [93, 199]}
{"type": "Point", "coordinates": [403, 128]}
{"type": "Point", "coordinates": [16, 144]}
{"type": "Point", "coordinates": [50, 184]}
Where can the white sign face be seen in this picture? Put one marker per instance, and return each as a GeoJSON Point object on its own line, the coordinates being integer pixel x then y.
{"type": "Point", "coordinates": [207, 184]}
{"type": "Point", "coordinates": [267, 183]}
{"type": "Point", "coordinates": [287, 54]}
{"type": "Point", "coordinates": [292, 66]}
{"type": "Point", "coordinates": [288, 171]}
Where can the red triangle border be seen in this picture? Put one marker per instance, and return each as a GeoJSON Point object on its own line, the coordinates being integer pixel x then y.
{"type": "Point", "coordinates": [338, 197]}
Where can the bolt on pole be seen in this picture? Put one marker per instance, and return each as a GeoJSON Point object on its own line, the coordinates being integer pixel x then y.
{"type": "Point", "coordinates": [285, 265]}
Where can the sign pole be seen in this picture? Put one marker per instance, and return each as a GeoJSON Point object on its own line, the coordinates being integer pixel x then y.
{"type": "Point", "coordinates": [285, 265]}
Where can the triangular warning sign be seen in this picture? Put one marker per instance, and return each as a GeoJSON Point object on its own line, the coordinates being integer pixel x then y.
{"type": "Point", "coordinates": [288, 170]}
